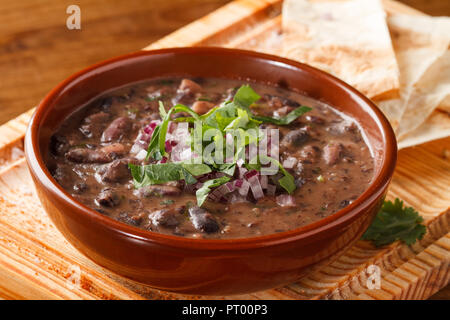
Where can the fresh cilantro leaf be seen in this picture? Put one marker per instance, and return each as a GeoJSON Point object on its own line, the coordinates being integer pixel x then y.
{"type": "Point", "coordinates": [157, 145]}
{"type": "Point", "coordinates": [227, 168]}
{"type": "Point", "coordinates": [162, 110]}
{"type": "Point", "coordinates": [203, 192]}
{"type": "Point", "coordinates": [164, 172]}
{"type": "Point", "coordinates": [287, 119]}
{"type": "Point", "coordinates": [395, 222]}
{"type": "Point", "coordinates": [287, 182]}
{"type": "Point", "coordinates": [153, 146]}
{"type": "Point", "coordinates": [241, 121]}
{"type": "Point", "coordinates": [196, 169]}
{"type": "Point", "coordinates": [224, 112]}
{"type": "Point", "coordinates": [245, 97]}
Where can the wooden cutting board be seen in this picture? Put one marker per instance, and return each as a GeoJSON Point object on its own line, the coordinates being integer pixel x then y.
{"type": "Point", "coordinates": [36, 262]}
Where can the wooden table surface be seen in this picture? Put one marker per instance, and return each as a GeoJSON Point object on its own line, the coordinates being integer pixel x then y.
{"type": "Point", "coordinates": [37, 50]}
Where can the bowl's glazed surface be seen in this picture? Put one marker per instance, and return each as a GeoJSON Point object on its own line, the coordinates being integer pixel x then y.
{"type": "Point", "coordinates": [200, 266]}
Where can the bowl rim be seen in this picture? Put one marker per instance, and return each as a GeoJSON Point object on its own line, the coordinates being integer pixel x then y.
{"type": "Point", "coordinates": [374, 191]}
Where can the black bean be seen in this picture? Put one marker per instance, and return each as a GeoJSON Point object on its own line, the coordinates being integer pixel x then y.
{"type": "Point", "coordinates": [190, 86]}
{"type": "Point", "coordinates": [203, 220]}
{"type": "Point", "coordinates": [108, 198]}
{"type": "Point", "coordinates": [83, 155]}
{"type": "Point", "coordinates": [291, 103]}
{"type": "Point", "coordinates": [159, 191]}
{"type": "Point", "coordinates": [116, 130]}
{"type": "Point", "coordinates": [103, 155]}
{"type": "Point", "coordinates": [116, 171]}
{"type": "Point", "coordinates": [165, 217]}
{"type": "Point", "coordinates": [332, 153]}
{"type": "Point", "coordinates": [295, 138]}
{"type": "Point", "coordinates": [94, 124]}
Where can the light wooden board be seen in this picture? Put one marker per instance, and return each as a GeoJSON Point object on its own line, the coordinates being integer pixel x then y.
{"type": "Point", "coordinates": [36, 262]}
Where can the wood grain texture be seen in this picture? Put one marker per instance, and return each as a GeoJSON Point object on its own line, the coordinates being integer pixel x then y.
{"type": "Point", "coordinates": [37, 50]}
{"type": "Point", "coordinates": [37, 262]}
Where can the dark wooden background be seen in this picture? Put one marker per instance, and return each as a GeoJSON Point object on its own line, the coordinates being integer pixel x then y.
{"type": "Point", "coordinates": [37, 50]}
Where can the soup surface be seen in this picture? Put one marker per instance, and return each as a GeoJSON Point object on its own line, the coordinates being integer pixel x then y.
{"type": "Point", "coordinates": [112, 156]}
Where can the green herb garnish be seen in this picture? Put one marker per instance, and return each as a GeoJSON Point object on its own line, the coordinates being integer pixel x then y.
{"type": "Point", "coordinates": [164, 172]}
{"type": "Point", "coordinates": [287, 182]}
{"type": "Point", "coordinates": [156, 148]}
{"type": "Point", "coordinates": [203, 192]}
{"type": "Point", "coordinates": [231, 117]}
{"type": "Point", "coordinates": [287, 119]}
{"type": "Point", "coordinates": [395, 222]}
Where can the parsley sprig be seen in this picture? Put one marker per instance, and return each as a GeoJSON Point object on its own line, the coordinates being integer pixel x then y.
{"type": "Point", "coordinates": [393, 222]}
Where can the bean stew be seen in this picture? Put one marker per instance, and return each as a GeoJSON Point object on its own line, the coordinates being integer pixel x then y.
{"type": "Point", "coordinates": [131, 155]}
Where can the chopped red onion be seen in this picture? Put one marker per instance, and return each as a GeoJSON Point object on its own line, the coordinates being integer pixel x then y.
{"type": "Point", "coordinates": [186, 154]}
{"type": "Point", "coordinates": [223, 190]}
{"type": "Point", "coordinates": [141, 155]}
{"type": "Point", "coordinates": [238, 183]}
{"type": "Point", "coordinates": [256, 187]}
{"type": "Point", "coordinates": [171, 127]}
{"type": "Point", "coordinates": [229, 186]}
{"type": "Point", "coordinates": [151, 126]}
{"type": "Point", "coordinates": [242, 172]}
{"type": "Point", "coordinates": [135, 149]}
{"type": "Point", "coordinates": [263, 181]}
{"type": "Point", "coordinates": [163, 160]}
{"type": "Point", "coordinates": [290, 162]}
{"type": "Point", "coordinates": [285, 200]}
{"type": "Point", "coordinates": [148, 130]}
{"type": "Point", "coordinates": [168, 146]}
{"type": "Point", "coordinates": [251, 174]}
{"type": "Point", "coordinates": [243, 190]}
{"type": "Point", "coordinates": [141, 142]}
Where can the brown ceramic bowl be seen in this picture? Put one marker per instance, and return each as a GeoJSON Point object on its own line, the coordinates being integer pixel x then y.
{"type": "Point", "coordinates": [199, 266]}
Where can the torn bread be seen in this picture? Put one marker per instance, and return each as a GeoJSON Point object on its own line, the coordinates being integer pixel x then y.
{"type": "Point", "coordinates": [347, 38]}
{"type": "Point", "coordinates": [426, 95]}
{"type": "Point", "coordinates": [436, 126]}
{"type": "Point", "coordinates": [418, 42]}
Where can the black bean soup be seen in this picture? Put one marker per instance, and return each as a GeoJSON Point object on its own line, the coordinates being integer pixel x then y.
{"type": "Point", "coordinates": [323, 151]}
